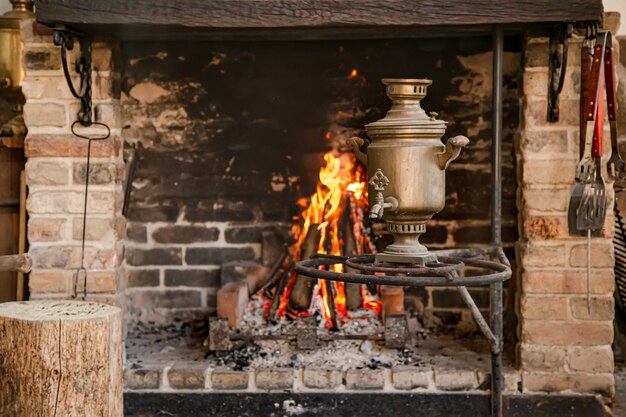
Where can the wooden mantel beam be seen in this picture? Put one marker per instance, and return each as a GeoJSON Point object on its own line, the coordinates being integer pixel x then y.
{"type": "Point", "coordinates": [259, 14]}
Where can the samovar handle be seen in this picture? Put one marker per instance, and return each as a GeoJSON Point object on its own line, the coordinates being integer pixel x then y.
{"type": "Point", "coordinates": [356, 144]}
{"type": "Point", "coordinates": [453, 149]}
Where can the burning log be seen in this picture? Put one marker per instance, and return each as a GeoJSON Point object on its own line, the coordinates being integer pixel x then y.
{"type": "Point", "coordinates": [354, 299]}
{"type": "Point", "coordinates": [302, 291]}
{"type": "Point", "coordinates": [331, 222]}
{"type": "Point", "coordinates": [280, 293]}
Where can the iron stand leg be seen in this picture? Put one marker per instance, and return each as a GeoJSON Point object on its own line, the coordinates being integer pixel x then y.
{"type": "Point", "coordinates": [495, 307]}
{"type": "Point", "coordinates": [495, 291]}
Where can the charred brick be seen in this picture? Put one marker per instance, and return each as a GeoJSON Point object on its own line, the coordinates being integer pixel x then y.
{"type": "Point", "coordinates": [207, 215]}
{"type": "Point", "coordinates": [42, 60]}
{"type": "Point", "coordinates": [191, 377]}
{"type": "Point", "coordinates": [166, 299]}
{"type": "Point", "coordinates": [98, 173]}
{"type": "Point", "coordinates": [162, 213]}
{"type": "Point", "coordinates": [186, 234]}
{"type": "Point", "coordinates": [435, 234]}
{"type": "Point", "coordinates": [482, 234]}
{"type": "Point", "coordinates": [136, 232]}
{"type": "Point", "coordinates": [142, 378]}
{"type": "Point", "coordinates": [143, 278]}
{"type": "Point", "coordinates": [449, 298]}
{"type": "Point", "coordinates": [211, 300]}
{"type": "Point", "coordinates": [448, 318]}
{"type": "Point", "coordinates": [243, 235]}
{"type": "Point", "coordinates": [238, 271]}
{"type": "Point", "coordinates": [218, 256]}
{"type": "Point", "coordinates": [192, 277]}
{"type": "Point", "coordinates": [161, 256]}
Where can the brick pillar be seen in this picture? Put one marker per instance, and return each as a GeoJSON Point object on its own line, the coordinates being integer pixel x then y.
{"type": "Point", "coordinates": [562, 347]}
{"type": "Point", "coordinates": [55, 175]}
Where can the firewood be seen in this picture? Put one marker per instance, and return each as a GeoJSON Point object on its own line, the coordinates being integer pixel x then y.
{"type": "Point", "coordinates": [354, 299]}
{"type": "Point", "coordinates": [60, 358]}
{"type": "Point", "coordinates": [302, 291]}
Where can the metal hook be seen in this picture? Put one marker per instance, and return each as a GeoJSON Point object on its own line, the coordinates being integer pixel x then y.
{"type": "Point", "coordinates": [101, 137]}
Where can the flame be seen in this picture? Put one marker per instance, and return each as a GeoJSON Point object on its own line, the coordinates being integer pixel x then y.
{"type": "Point", "coordinates": [340, 181]}
{"type": "Point", "coordinates": [353, 74]}
{"type": "Point", "coordinates": [340, 196]}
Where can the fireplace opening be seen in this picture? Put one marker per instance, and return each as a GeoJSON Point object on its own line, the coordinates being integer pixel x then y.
{"type": "Point", "coordinates": [242, 169]}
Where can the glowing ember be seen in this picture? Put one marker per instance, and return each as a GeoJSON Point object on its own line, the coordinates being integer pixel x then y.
{"type": "Point", "coordinates": [353, 74]}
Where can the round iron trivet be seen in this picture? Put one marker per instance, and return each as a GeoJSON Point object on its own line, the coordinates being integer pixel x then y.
{"type": "Point", "coordinates": [445, 273]}
{"type": "Point", "coordinates": [447, 267]}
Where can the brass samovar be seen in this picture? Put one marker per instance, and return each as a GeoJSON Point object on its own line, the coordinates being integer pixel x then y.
{"type": "Point", "coordinates": [406, 164]}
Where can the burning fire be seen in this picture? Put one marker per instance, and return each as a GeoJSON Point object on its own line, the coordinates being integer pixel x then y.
{"type": "Point", "coordinates": [340, 196]}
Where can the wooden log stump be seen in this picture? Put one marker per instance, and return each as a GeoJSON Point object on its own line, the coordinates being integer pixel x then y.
{"type": "Point", "coordinates": [60, 358]}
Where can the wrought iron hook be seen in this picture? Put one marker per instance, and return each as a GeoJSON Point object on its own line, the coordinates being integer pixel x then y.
{"type": "Point", "coordinates": [64, 38]}
{"type": "Point", "coordinates": [559, 35]}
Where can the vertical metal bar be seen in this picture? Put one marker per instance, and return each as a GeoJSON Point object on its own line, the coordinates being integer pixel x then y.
{"type": "Point", "coordinates": [495, 291]}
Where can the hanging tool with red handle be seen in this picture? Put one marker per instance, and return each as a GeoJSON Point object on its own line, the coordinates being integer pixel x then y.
{"type": "Point", "coordinates": [591, 212]}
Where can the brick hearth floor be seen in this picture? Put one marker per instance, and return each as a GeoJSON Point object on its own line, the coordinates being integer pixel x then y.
{"type": "Point", "coordinates": [173, 359]}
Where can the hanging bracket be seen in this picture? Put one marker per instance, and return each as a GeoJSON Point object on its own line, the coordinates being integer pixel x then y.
{"type": "Point", "coordinates": [559, 45]}
{"type": "Point", "coordinates": [65, 38]}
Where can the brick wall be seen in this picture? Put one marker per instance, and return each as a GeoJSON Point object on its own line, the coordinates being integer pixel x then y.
{"type": "Point", "coordinates": [55, 175]}
{"type": "Point", "coordinates": [562, 347]}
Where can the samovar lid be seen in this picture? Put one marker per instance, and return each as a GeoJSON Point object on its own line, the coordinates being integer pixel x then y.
{"type": "Point", "coordinates": [406, 113]}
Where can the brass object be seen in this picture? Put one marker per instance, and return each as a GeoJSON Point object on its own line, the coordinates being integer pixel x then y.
{"type": "Point", "coordinates": [406, 163]}
{"type": "Point", "coordinates": [12, 127]}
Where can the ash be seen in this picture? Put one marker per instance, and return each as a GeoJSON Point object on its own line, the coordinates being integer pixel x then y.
{"type": "Point", "coordinates": [267, 346]}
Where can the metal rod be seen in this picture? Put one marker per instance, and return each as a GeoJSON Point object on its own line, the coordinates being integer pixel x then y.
{"type": "Point", "coordinates": [496, 143]}
{"type": "Point", "coordinates": [495, 290]}
{"type": "Point", "coordinates": [480, 320]}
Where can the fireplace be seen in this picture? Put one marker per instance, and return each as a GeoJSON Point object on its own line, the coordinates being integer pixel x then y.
{"type": "Point", "coordinates": [217, 145]}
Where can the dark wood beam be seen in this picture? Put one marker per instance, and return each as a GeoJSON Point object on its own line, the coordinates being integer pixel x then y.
{"type": "Point", "coordinates": [259, 14]}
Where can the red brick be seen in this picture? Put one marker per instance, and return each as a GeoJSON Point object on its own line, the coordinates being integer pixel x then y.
{"type": "Point", "coordinates": [541, 255]}
{"type": "Point", "coordinates": [101, 56]}
{"type": "Point", "coordinates": [543, 358]}
{"type": "Point", "coordinates": [42, 229]}
{"type": "Point", "coordinates": [546, 227]}
{"type": "Point", "coordinates": [542, 307]}
{"type": "Point", "coordinates": [543, 141]}
{"type": "Point", "coordinates": [549, 172]}
{"type": "Point", "coordinates": [99, 282]}
{"type": "Point", "coordinates": [591, 359]}
{"type": "Point", "coordinates": [559, 333]}
{"type": "Point", "coordinates": [232, 299]}
{"type": "Point", "coordinates": [49, 87]}
{"type": "Point", "coordinates": [544, 382]}
{"type": "Point", "coordinates": [584, 383]}
{"type": "Point", "coordinates": [567, 281]}
{"type": "Point", "coordinates": [536, 109]}
{"type": "Point", "coordinates": [603, 384]}
{"type": "Point", "coordinates": [49, 282]}
{"type": "Point", "coordinates": [546, 200]}
{"type": "Point", "coordinates": [601, 255]}
{"type": "Point", "coordinates": [602, 308]}
{"type": "Point", "coordinates": [44, 114]}
{"type": "Point", "coordinates": [392, 300]}
{"type": "Point", "coordinates": [97, 229]}
{"type": "Point", "coordinates": [68, 146]}
{"type": "Point", "coordinates": [65, 202]}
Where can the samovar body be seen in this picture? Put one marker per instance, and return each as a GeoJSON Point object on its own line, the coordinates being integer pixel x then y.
{"type": "Point", "coordinates": [406, 163]}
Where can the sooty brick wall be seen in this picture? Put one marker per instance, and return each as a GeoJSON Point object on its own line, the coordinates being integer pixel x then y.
{"type": "Point", "coordinates": [228, 136]}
